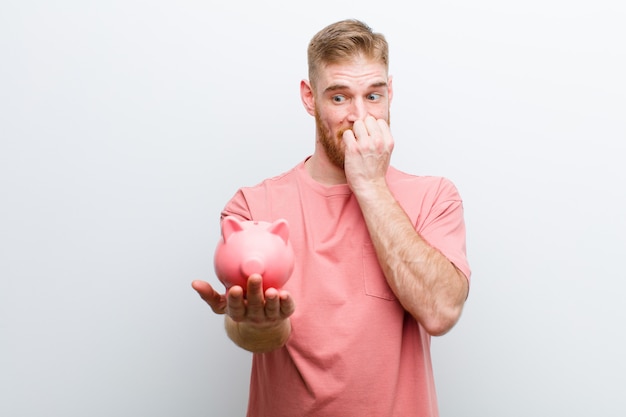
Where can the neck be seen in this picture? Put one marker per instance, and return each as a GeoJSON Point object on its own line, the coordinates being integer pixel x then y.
{"type": "Point", "coordinates": [323, 171]}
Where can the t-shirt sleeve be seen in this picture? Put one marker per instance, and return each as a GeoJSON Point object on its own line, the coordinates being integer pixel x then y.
{"type": "Point", "coordinates": [237, 206]}
{"type": "Point", "coordinates": [443, 226]}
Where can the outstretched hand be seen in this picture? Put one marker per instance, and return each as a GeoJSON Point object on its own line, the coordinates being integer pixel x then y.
{"type": "Point", "coordinates": [252, 305]}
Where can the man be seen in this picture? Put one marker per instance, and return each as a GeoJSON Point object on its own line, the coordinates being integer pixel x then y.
{"type": "Point", "coordinates": [380, 255]}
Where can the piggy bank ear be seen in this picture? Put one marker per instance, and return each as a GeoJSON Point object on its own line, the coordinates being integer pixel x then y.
{"type": "Point", "coordinates": [281, 228]}
{"type": "Point", "coordinates": [230, 225]}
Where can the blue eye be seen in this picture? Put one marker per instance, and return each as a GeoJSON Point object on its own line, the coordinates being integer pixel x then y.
{"type": "Point", "coordinates": [373, 97]}
{"type": "Point", "coordinates": [338, 99]}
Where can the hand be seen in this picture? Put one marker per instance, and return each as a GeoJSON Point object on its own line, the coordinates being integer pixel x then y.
{"type": "Point", "coordinates": [368, 147]}
{"type": "Point", "coordinates": [253, 306]}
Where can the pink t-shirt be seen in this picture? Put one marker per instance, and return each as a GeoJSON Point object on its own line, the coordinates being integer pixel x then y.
{"type": "Point", "coordinates": [353, 350]}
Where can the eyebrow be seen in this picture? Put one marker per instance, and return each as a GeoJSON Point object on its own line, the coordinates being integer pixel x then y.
{"type": "Point", "coordinates": [340, 87]}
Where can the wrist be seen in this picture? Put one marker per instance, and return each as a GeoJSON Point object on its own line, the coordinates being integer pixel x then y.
{"type": "Point", "coordinates": [372, 190]}
{"type": "Point", "coordinates": [259, 337]}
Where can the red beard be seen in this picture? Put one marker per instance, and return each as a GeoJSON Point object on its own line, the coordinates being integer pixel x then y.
{"type": "Point", "coordinates": [334, 147]}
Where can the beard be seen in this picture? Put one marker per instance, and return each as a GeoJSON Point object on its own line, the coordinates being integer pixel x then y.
{"type": "Point", "coordinates": [334, 147]}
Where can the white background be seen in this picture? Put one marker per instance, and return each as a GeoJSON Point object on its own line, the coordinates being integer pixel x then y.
{"type": "Point", "coordinates": [126, 125]}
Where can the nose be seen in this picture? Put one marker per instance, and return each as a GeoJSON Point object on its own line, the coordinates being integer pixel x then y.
{"type": "Point", "coordinates": [358, 110]}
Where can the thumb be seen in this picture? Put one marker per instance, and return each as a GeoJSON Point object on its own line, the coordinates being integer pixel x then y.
{"type": "Point", "coordinates": [215, 300]}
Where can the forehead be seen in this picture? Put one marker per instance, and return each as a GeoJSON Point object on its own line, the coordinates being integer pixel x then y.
{"type": "Point", "coordinates": [356, 74]}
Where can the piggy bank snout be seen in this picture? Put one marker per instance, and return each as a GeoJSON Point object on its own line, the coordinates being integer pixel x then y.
{"type": "Point", "coordinates": [253, 265]}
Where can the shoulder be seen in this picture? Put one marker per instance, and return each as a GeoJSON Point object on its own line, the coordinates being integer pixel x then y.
{"type": "Point", "coordinates": [256, 201]}
{"type": "Point", "coordinates": [281, 181]}
{"type": "Point", "coordinates": [435, 186]}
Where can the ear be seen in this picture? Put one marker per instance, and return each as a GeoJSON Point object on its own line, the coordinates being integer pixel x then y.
{"type": "Point", "coordinates": [390, 88]}
{"type": "Point", "coordinates": [281, 228]}
{"type": "Point", "coordinates": [230, 225]}
{"type": "Point", "coordinates": [307, 96]}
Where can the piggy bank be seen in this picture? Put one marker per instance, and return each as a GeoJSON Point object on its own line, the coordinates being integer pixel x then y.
{"type": "Point", "coordinates": [254, 247]}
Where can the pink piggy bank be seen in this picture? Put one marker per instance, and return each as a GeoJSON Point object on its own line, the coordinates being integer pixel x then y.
{"type": "Point", "coordinates": [254, 247]}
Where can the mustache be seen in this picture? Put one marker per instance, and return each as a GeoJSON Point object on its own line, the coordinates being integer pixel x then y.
{"type": "Point", "coordinates": [340, 132]}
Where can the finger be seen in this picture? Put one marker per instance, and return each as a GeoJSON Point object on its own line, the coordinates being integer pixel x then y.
{"type": "Point", "coordinates": [360, 130]}
{"type": "Point", "coordinates": [287, 304]}
{"type": "Point", "coordinates": [386, 132]}
{"type": "Point", "coordinates": [349, 140]}
{"type": "Point", "coordinates": [215, 300]}
{"type": "Point", "coordinates": [255, 299]}
{"type": "Point", "coordinates": [373, 128]}
{"type": "Point", "coordinates": [236, 306]}
{"type": "Point", "coordinates": [272, 304]}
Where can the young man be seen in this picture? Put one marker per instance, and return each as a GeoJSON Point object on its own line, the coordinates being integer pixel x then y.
{"type": "Point", "coordinates": [380, 255]}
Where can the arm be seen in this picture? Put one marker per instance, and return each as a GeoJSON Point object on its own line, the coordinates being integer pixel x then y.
{"type": "Point", "coordinates": [426, 283]}
{"type": "Point", "coordinates": [257, 322]}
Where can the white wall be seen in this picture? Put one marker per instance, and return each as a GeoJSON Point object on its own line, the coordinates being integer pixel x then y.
{"type": "Point", "coordinates": [126, 125]}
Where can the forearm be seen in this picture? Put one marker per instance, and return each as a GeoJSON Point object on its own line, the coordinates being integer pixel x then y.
{"type": "Point", "coordinates": [426, 283]}
{"type": "Point", "coordinates": [258, 338]}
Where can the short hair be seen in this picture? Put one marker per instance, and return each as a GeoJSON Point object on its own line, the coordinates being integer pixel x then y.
{"type": "Point", "coordinates": [343, 41]}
